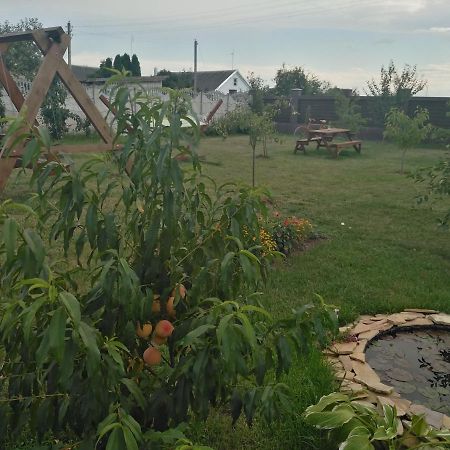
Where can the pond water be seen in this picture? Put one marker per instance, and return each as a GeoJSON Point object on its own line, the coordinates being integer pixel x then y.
{"type": "Point", "coordinates": [417, 364]}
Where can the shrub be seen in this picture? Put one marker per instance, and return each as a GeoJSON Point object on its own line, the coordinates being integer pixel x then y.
{"type": "Point", "coordinates": [356, 424]}
{"type": "Point", "coordinates": [130, 239]}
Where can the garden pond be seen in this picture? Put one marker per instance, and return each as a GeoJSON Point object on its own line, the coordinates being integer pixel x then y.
{"type": "Point", "coordinates": [416, 364]}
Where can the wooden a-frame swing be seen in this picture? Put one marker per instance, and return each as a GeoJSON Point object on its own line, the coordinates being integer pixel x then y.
{"type": "Point", "coordinates": [53, 43]}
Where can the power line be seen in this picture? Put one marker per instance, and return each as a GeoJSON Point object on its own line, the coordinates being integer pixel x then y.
{"type": "Point", "coordinates": [214, 18]}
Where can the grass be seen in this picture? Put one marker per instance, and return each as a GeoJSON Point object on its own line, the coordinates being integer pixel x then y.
{"type": "Point", "coordinates": [383, 253]}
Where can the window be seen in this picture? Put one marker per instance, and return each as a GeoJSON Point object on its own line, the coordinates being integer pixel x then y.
{"type": "Point", "coordinates": [235, 82]}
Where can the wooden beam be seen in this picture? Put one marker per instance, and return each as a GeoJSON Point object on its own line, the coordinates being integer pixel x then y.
{"type": "Point", "coordinates": [53, 32]}
{"type": "Point", "coordinates": [113, 110]}
{"type": "Point", "coordinates": [11, 87]}
{"type": "Point", "coordinates": [6, 167]}
{"type": "Point", "coordinates": [84, 102]}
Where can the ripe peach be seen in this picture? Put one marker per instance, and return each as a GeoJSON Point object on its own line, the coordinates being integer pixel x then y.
{"type": "Point", "coordinates": [152, 356]}
{"type": "Point", "coordinates": [164, 328]}
{"type": "Point", "coordinates": [181, 289]}
{"type": "Point", "coordinates": [156, 305]}
{"type": "Point", "coordinates": [145, 331]}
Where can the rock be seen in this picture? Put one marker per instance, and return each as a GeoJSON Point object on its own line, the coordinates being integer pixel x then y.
{"type": "Point", "coordinates": [346, 362]}
{"type": "Point", "coordinates": [360, 346]}
{"type": "Point", "coordinates": [362, 328]}
{"type": "Point", "coordinates": [440, 319]}
{"type": "Point", "coordinates": [361, 357]}
{"type": "Point", "coordinates": [433, 418]}
{"type": "Point", "coordinates": [351, 386]}
{"type": "Point", "coordinates": [417, 322]}
{"type": "Point", "coordinates": [369, 334]}
{"type": "Point", "coordinates": [365, 372]}
{"type": "Point", "coordinates": [396, 319]}
{"type": "Point", "coordinates": [379, 388]}
{"type": "Point", "coordinates": [423, 311]}
{"type": "Point", "coordinates": [343, 348]}
{"type": "Point", "coordinates": [446, 423]}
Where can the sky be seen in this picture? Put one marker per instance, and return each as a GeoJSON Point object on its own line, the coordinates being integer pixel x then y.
{"type": "Point", "coordinates": [344, 42]}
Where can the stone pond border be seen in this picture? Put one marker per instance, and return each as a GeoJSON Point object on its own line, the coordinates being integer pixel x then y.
{"type": "Point", "coordinates": [348, 359]}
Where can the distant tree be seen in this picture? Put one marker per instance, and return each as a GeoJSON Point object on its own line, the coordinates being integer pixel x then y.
{"type": "Point", "coordinates": [406, 132]}
{"type": "Point", "coordinates": [257, 90]}
{"type": "Point", "coordinates": [179, 80]}
{"type": "Point", "coordinates": [135, 66]}
{"type": "Point", "coordinates": [54, 112]}
{"type": "Point", "coordinates": [297, 78]}
{"type": "Point", "coordinates": [126, 62]}
{"type": "Point", "coordinates": [105, 69]}
{"type": "Point", "coordinates": [22, 58]}
{"type": "Point", "coordinates": [393, 90]}
{"type": "Point", "coordinates": [392, 82]}
{"type": "Point", "coordinates": [117, 64]}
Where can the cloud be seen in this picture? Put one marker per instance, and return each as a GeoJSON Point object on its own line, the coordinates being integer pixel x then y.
{"type": "Point", "coordinates": [439, 30]}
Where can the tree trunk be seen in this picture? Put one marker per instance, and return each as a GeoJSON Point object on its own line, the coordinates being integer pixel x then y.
{"type": "Point", "coordinates": [403, 160]}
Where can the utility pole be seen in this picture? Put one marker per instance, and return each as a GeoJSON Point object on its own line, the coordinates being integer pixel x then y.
{"type": "Point", "coordinates": [232, 60]}
{"type": "Point", "coordinates": [195, 65]}
{"type": "Point", "coordinates": [69, 48]}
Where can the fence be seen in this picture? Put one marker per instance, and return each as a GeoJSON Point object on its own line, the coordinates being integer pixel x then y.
{"type": "Point", "coordinates": [202, 102]}
{"type": "Point", "coordinates": [371, 108]}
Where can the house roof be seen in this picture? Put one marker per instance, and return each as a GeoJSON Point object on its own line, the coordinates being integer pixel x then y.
{"type": "Point", "coordinates": [150, 79]}
{"type": "Point", "coordinates": [209, 80]}
{"type": "Point", "coordinates": [82, 73]}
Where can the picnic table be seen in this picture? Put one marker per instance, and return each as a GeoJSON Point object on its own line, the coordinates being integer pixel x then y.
{"type": "Point", "coordinates": [324, 137]}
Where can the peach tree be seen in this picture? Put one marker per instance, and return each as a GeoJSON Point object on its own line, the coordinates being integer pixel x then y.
{"type": "Point", "coordinates": [130, 293]}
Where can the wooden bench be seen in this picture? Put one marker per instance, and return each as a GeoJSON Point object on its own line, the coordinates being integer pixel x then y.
{"type": "Point", "coordinates": [336, 147]}
{"type": "Point", "coordinates": [301, 143]}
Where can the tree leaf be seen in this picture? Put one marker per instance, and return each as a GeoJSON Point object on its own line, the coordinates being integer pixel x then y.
{"type": "Point", "coordinates": [72, 306]}
{"type": "Point", "coordinates": [57, 331]}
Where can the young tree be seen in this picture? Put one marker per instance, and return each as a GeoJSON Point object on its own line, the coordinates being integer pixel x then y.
{"type": "Point", "coordinates": [437, 181]}
{"type": "Point", "coordinates": [406, 132]}
{"type": "Point", "coordinates": [22, 58]}
{"type": "Point", "coordinates": [135, 66]}
{"type": "Point", "coordinates": [348, 111]}
{"type": "Point", "coordinates": [257, 90]}
{"type": "Point", "coordinates": [297, 78]}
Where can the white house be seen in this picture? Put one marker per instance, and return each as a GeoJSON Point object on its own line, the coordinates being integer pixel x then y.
{"type": "Point", "coordinates": [224, 81]}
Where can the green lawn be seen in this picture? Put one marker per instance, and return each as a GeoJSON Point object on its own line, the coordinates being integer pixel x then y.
{"type": "Point", "coordinates": [382, 253]}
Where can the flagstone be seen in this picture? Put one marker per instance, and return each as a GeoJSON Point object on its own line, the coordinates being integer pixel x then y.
{"type": "Point", "coordinates": [433, 418]}
{"type": "Point", "coordinates": [344, 348]}
{"type": "Point", "coordinates": [358, 357]}
{"type": "Point", "coordinates": [346, 362]}
{"type": "Point", "coordinates": [440, 319]}
{"type": "Point", "coordinates": [418, 322]}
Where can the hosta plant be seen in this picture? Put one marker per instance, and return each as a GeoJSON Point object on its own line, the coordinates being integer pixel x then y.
{"type": "Point", "coordinates": [354, 424]}
{"type": "Point", "coordinates": [130, 293]}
